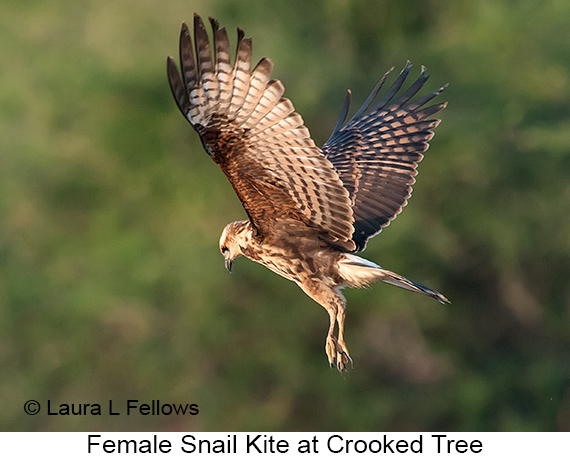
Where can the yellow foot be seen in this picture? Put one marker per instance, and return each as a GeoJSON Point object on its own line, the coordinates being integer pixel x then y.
{"type": "Point", "coordinates": [337, 353]}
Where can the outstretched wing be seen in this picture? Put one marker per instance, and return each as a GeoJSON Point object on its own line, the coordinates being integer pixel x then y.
{"type": "Point", "coordinates": [376, 153]}
{"type": "Point", "coordinates": [256, 138]}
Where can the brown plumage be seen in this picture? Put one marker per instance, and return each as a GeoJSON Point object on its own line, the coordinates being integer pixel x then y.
{"type": "Point", "coordinates": [308, 208]}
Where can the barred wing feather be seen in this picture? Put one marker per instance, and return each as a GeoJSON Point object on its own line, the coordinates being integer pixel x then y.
{"type": "Point", "coordinates": [257, 138]}
{"type": "Point", "coordinates": [376, 153]}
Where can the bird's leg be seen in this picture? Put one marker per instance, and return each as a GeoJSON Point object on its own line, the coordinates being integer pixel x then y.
{"type": "Point", "coordinates": [330, 343]}
{"type": "Point", "coordinates": [335, 348]}
{"type": "Point", "coordinates": [342, 350]}
{"type": "Point", "coordinates": [333, 301]}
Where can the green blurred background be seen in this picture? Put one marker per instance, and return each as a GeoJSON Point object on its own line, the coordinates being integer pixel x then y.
{"type": "Point", "coordinates": [111, 282]}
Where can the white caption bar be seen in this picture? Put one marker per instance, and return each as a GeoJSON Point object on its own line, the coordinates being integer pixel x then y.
{"type": "Point", "coordinates": [290, 444]}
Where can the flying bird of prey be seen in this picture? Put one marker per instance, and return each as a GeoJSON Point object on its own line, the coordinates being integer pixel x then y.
{"type": "Point", "coordinates": [309, 209]}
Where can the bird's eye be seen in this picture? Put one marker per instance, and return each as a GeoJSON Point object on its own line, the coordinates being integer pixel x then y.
{"type": "Point", "coordinates": [224, 249]}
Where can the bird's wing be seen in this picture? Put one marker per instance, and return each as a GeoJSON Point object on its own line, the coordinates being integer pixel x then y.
{"type": "Point", "coordinates": [376, 153]}
{"type": "Point", "coordinates": [256, 138]}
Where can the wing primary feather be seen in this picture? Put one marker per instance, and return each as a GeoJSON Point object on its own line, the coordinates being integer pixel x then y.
{"type": "Point", "coordinates": [412, 90]}
{"type": "Point", "coordinates": [177, 86]}
{"type": "Point", "coordinates": [205, 64]}
{"type": "Point", "coordinates": [372, 96]}
{"type": "Point", "coordinates": [241, 76]}
{"type": "Point", "coordinates": [430, 110]}
{"type": "Point", "coordinates": [202, 44]}
{"type": "Point", "coordinates": [189, 70]}
{"type": "Point", "coordinates": [343, 113]}
{"type": "Point", "coordinates": [394, 88]}
{"type": "Point", "coordinates": [215, 27]}
{"type": "Point", "coordinates": [224, 70]}
{"type": "Point", "coordinates": [426, 98]}
{"type": "Point", "coordinates": [190, 76]}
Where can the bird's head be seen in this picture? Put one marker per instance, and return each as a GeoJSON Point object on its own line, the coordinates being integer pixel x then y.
{"type": "Point", "coordinates": [234, 237]}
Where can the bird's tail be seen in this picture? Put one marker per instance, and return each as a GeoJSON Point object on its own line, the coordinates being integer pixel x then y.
{"type": "Point", "coordinates": [358, 272]}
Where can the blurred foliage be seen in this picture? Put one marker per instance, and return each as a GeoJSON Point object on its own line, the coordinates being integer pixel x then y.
{"type": "Point", "coordinates": [111, 283]}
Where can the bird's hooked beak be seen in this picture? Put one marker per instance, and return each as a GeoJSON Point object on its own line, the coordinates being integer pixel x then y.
{"type": "Point", "coordinates": [228, 261]}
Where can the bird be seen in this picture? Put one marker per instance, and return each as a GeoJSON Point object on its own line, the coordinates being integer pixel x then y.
{"type": "Point", "coordinates": [309, 209]}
